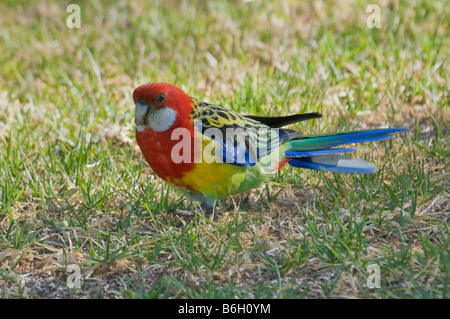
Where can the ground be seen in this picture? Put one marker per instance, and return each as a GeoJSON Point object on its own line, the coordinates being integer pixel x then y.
{"type": "Point", "coordinates": [77, 197]}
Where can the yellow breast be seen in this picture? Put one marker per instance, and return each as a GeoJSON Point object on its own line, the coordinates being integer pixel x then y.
{"type": "Point", "coordinates": [215, 179]}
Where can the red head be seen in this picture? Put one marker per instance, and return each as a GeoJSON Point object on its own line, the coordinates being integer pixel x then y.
{"type": "Point", "coordinates": [161, 106]}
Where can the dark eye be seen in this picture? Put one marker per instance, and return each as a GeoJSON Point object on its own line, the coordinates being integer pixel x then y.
{"type": "Point", "coordinates": [160, 98]}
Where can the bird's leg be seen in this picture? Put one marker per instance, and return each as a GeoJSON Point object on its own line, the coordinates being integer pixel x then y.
{"type": "Point", "coordinates": [208, 207]}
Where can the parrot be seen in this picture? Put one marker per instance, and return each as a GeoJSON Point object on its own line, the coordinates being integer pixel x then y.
{"type": "Point", "coordinates": [213, 152]}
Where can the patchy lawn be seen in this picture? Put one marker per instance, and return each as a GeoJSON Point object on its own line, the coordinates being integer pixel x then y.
{"type": "Point", "coordinates": [78, 198]}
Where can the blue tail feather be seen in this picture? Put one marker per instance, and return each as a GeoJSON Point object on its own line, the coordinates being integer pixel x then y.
{"type": "Point", "coordinates": [355, 165]}
{"type": "Point", "coordinates": [328, 151]}
{"type": "Point", "coordinates": [322, 141]}
{"type": "Point", "coordinates": [365, 140]}
{"type": "Point", "coordinates": [316, 152]}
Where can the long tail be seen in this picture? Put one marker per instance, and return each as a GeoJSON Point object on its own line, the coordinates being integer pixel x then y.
{"type": "Point", "coordinates": [317, 152]}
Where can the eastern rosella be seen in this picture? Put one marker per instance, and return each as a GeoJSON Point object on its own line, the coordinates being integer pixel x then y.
{"type": "Point", "coordinates": [213, 152]}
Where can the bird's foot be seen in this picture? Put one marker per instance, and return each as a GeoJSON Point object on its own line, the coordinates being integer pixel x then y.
{"type": "Point", "coordinates": [208, 211]}
{"type": "Point", "coordinates": [182, 213]}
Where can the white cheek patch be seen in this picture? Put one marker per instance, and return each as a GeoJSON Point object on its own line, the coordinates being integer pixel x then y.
{"type": "Point", "coordinates": [161, 120]}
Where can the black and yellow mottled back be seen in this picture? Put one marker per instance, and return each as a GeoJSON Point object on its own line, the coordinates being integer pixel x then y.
{"type": "Point", "coordinates": [252, 137]}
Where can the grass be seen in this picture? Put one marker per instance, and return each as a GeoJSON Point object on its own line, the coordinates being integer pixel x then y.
{"type": "Point", "coordinates": [74, 188]}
